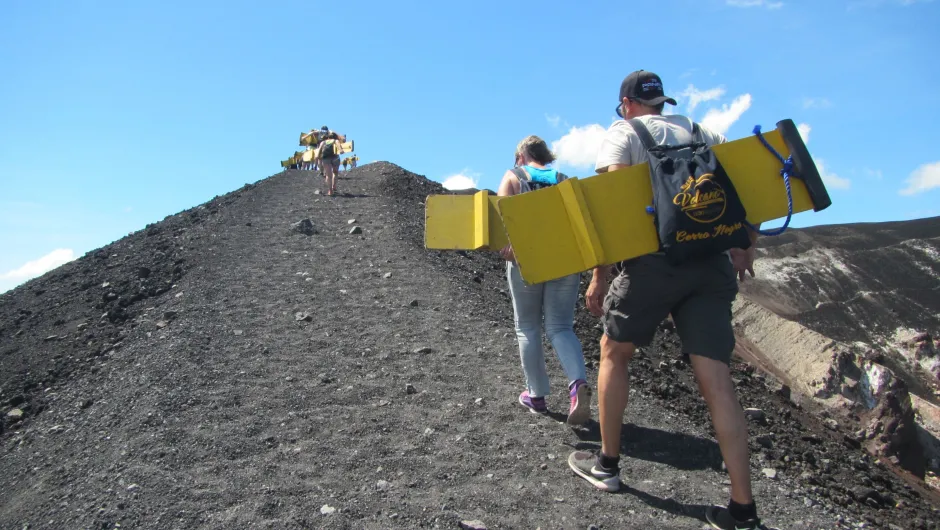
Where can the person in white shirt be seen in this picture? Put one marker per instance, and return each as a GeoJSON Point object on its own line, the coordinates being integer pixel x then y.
{"type": "Point", "coordinates": [698, 295]}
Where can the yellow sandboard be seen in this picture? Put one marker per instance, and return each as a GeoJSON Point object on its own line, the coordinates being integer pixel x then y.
{"type": "Point", "coordinates": [296, 158]}
{"type": "Point", "coordinates": [311, 138]}
{"type": "Point", "coordinates": [602, 219]}
{"type": "Point", "coordinates": [463, 222]}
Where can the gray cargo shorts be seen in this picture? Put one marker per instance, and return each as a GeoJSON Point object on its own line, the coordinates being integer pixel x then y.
{"type": "Point", "coordinates": [698, 294]}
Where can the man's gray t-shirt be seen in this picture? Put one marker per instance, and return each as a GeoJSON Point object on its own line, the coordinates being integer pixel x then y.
{"type": "Point", "coordinates": [622, 145]}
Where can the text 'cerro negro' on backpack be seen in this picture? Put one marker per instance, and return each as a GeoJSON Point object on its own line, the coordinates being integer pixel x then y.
{"type": "Point", "coordinates": [696, 210]}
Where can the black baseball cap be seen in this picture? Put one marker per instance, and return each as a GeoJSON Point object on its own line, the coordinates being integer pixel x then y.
{"type": "Point", "coordinates": [643, 86]}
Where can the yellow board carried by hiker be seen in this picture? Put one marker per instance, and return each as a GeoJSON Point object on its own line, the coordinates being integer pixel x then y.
{"type": "Point", "coordinates": [311, 140]}
{"type": "Point", "coordinates": [314, 136]}
{"type": "Point", "coordinates": [293, 161]}
{"type": "Point", "coordinates": [604, 219]}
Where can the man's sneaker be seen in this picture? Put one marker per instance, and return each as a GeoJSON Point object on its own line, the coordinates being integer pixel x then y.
{"type": "Point", "coordinates": [580, 410]}
{"type": "Point", "coordinates": [585, 464]}
{"type": "Point", "coordinates": [535, 405]}
{"type": "Point", "coordinates": [720, 517]}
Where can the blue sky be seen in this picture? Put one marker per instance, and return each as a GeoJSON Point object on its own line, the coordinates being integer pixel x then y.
{"type": "Point", "coordinates": [116, 114]}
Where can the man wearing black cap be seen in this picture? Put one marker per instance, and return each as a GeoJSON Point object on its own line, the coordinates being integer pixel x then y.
{"type": "Point", "coordinates": [641, 97]}
{"type": "Point", "coordinates": [698, 295]}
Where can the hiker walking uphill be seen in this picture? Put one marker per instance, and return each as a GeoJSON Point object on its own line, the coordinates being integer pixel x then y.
{"type": "Point", "coordinates": [328, 158]}
{"type": "Point", "coordinates": [309, 163]}
{"type": "Point", "coordinates": [696, 285]}
{"type": "Point", "coordinates": [321, 144]}
{"type": "Point", "coordinates": [553, 301]}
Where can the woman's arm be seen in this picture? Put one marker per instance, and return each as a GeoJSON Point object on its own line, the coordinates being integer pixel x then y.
{"type": "Point", "coordinates": [508, 187]}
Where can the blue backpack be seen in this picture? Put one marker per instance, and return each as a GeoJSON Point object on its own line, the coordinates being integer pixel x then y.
{"type": "Point", "coordinates": [530, 184]}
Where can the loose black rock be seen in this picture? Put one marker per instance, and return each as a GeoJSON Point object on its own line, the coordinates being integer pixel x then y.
{"type": "Point", "coordinates": [304, 226]}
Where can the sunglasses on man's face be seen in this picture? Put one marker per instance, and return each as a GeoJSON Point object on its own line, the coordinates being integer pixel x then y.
{"type": "Point", "coordinates": [620, 106]}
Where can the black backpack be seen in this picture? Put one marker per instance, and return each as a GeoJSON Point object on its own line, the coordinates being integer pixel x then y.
{"type": "Point", "coordinates": [329, 148]}
{"type": "Point", "coordinates": [696, 210]}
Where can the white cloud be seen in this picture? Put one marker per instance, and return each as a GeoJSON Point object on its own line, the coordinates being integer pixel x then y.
{"type": "Point", "coordinates": [804, 129]}
{"type": "Point", "coordinates": [831, 180]}
{"type": "Point", "coordinates": [924, 178]}
{"type": "Point", "coordinates": [579, 148]}
{"type": "Point", "coordinates": [816, 103]}
{"type": "Point", "coordinates": [754, 3]}
{"type": "Point", "coordinates": [874, 173]}
{"type": "Point", "coordinates": [553, 120]}
{"type": "Point", "coordinates": [459, 182]}
{"type": "Point", "coordinates": [721, 120]}
{"type": "Point", "coordinates": [38, 267]}
{"type": "Point", "coordinates": [696, 96]}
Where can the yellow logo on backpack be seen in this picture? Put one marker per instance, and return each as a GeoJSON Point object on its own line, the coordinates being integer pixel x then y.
{"type": "Point", "coordinates": [702, 199]}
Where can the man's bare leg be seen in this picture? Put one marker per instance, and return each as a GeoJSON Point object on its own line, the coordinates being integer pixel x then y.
{"type": "Point", "coordinates": [613, 386]}
{"type": "Point", "coordinates": [328, 177]}
{"type": "Point", "coordinates": [714, 382]}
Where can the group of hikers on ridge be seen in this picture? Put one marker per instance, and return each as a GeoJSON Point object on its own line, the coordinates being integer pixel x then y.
{"type": "Point", "coordinates": [324, 157]}
{"type": "Point", "coordinates": [697, 293]}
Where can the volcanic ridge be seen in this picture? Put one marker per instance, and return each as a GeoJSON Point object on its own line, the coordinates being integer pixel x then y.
{"type": "Point", "coordinates": [277, 358]}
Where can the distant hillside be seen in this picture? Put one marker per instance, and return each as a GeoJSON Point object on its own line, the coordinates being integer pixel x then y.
{"type": "Point", "coordinates": [846, 312]}
{"type": "Point", "coordinates": [853, 282]}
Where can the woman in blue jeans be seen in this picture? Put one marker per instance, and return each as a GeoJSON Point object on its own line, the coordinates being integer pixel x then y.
{"type": "Point", "coordinates": [554, 301]}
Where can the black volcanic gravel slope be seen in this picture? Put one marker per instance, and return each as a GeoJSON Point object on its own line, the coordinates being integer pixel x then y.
{"type": "Point", "coordinates": [220, 370]}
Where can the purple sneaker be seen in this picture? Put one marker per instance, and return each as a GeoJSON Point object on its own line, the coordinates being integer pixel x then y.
{"type": "Point", "coordinates": [580, 410]}
{"type": "Point", "coordinates": [535, 405]}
